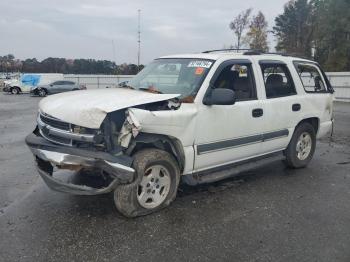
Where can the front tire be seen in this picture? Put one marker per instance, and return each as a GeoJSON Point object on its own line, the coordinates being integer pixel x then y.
{"type": "Point", "coordinates": [155, 186]}
{"type": "Point", "coordinates": [42, 92]}
{"type": "Point", "coordinates": [301, 147]}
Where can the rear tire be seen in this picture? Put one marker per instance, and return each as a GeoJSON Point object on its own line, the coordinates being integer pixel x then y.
{"type": "Point", "coordinates": [302, 146]}
{"type": "Point", "coordinates": [15, 90]}
{"type": "Point", "coordinates": [155, 186]}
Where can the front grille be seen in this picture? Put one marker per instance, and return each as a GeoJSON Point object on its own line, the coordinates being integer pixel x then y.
{"type": "Point", "coordinates": [55, 139]}
{"type": "Point", "coordinates": [48, 121]}
{"type": "Point", "coordinates": [55, 123]}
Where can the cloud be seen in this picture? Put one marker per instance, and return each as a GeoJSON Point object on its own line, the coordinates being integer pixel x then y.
{"type": "Point", "coordinates": [86, 28]}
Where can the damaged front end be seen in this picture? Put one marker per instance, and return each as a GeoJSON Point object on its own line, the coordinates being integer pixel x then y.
{"type": "Point", "coordinates": [65, 152]}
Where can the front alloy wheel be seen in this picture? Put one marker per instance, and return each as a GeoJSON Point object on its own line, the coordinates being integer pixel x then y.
{"type": "Point", "coordinates": [42, 92]}
{"type": "Point", "coordinates": [155, 186]}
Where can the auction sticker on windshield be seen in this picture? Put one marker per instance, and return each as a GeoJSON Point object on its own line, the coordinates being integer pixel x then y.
{"type": "Point", "coordinates": [200, 63]}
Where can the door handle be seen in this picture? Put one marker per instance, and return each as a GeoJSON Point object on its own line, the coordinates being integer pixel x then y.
{"type": "Point", "coordinates": [296, 107]}
{"type": "Point", "coordinates": [257, 112]}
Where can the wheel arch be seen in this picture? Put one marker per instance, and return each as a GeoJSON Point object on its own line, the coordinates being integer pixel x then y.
{"type": "Point", "coordinates": [19, 89]}
{"type": "Point", "coordinates": [169, 144]}
{"type": "Point", "coordinates": [314, 121]}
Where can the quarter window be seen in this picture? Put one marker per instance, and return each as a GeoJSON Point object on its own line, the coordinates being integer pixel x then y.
{"type": "Point", "coordinates": [278, 81]}
{"type": "Point", "coordinates": [311, 78]}
{"type": "Point", "coordinates": [239, 78]}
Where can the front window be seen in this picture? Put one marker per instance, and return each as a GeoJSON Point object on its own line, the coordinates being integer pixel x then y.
{"type": "Point", "coordinates": [173, 76]}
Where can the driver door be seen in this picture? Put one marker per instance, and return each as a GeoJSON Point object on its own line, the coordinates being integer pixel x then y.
{"type": "Point", "coordinates": [230, 133]}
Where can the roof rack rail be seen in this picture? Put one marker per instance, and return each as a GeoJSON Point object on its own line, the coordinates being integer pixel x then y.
{"type": "Point", "coordinates": [230, 50]}
{"type": "Point", "coordinates": [247, 51]}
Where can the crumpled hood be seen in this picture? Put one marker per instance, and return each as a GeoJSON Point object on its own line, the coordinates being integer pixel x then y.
{"type": "Point", "coordinates": [88, 108]}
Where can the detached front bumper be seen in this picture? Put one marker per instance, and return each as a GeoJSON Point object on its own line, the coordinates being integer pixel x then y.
{"type": "Point", "coordinates": [50, 156]}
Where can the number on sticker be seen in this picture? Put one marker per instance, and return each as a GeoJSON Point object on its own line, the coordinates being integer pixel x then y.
{"type": "Point", "coordinates": [204, 64]}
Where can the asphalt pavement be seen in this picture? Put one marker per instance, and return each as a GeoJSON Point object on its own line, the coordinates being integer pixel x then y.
{"type": "Point", "coordinates": [268, 214]}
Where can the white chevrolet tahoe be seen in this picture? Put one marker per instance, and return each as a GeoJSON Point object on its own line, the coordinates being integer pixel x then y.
{"type": "Point", "coordinates": [198, 117]}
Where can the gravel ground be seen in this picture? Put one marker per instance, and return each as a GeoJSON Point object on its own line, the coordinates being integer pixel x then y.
{"type": "Point", "coordinates": [269, 214]}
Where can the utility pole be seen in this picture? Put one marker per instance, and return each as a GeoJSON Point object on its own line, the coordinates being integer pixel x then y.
{"type": "Point", "coordinates": [113, 49]}
{"type": "Point", "coordinates": [139, 40]}
{"type": "Point", "coordinates": [114, 56]}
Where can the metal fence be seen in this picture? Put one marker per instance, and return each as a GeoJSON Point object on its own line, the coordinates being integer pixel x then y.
{"type": "Point", "coordinates": [98, 81]}
{"type": "Point", "coordinates": [339, 80]}
{"type": "Point", "coordinates": [341, 84]}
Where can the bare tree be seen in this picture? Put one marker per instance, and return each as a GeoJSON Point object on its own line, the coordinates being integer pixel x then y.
{"type": "Point", "coordinates": [239, 24]}
{"type": "Point", "coordinates": [257, 34]}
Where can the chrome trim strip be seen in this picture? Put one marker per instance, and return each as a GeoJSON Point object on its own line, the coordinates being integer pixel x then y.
{"type": "Point", "coordinates": [64, 134]}
{"type": "Point", "coordinates": [242, 141]}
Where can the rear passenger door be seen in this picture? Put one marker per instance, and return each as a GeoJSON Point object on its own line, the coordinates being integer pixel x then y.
{"type": "Point", "coordinates": [281, 105]}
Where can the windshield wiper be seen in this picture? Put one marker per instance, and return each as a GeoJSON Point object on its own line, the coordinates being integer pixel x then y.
{"type": "Point", "coordinates": [126, 86]}
{"type": "Point", "coordinates": [151, 90]}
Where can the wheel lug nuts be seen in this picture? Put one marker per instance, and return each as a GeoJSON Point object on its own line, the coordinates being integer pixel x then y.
{"type": "Point", "coordinates": [152, 179]}
{"type": "Point", "coordinates": [157, 186]}
{"type": "Point", "coordinates": [153, 191]}
{"type": "Point", "coordinates": [148, 185]}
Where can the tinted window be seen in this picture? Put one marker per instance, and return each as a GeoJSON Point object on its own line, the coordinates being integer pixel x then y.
{"type": "Point", "coordinates": [311, 77]}
{"type": "Point", "coordinates": [239, 78]}
{"type": "Point", "coordinates": [57, 83]}
{"type": "Point", "coordinates": [278, 81]}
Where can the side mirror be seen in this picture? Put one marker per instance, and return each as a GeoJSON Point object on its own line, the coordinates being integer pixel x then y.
{"type": "Point", "coordinates": [220, 96]}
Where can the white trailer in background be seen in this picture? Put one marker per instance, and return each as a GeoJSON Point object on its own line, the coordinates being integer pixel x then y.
{"type": "Point", "coordinates": [27, 81]}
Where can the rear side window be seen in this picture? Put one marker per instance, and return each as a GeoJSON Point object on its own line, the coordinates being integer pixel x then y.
{"type": "Point", "coordinates": [57, 83]}
{"type": "Point", "coordinates": [278, 81]}
{"type": "Point", "coordinates": [311, 78]}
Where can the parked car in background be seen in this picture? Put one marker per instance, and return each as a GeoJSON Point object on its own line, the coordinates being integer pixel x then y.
{"type": "Point", "coordinates": [56, 87]}
{"type": "Point", "coordinates": [27, 81]}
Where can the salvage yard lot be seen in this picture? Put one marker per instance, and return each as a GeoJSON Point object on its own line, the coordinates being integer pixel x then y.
{"type": "Point", "coordinates": [269, 214]}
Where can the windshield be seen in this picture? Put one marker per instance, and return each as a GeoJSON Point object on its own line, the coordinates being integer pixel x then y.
{"type": "Point", "coordinates": [172, 76]}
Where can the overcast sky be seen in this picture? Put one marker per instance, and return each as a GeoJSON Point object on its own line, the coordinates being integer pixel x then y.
{"type": "Point", "coordinates": [86, 28]}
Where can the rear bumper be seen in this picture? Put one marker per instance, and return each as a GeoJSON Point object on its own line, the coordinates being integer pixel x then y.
{"type": "Point", "coordinates": [325, 128]}
{"type": "Point", "coordinates": [49, 155]}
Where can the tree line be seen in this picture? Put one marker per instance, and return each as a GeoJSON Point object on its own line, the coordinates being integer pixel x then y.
{"type": "Point", "coordinates": [314, 29]}
{"type": "Point", "coordinates": [8, 63]}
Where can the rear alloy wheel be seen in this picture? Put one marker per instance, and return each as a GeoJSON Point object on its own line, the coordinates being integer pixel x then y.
{"type": "Point", "coordinates": [15, 90]}
{"type": "Point", "coordinates": [301, 147]}
{"type": "Point", "coordinates": [155, 186]}
{"type": "Point", "coordinates": [42, 92]}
